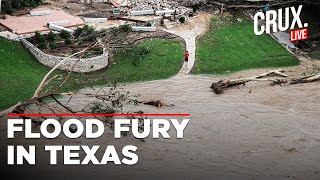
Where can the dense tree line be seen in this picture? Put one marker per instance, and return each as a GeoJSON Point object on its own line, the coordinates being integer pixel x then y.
{"type": "Point", "coordinates": [9, 6]}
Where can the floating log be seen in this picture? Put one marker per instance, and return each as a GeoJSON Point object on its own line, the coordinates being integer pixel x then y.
{"type": "Point", "coordinates": [156, 103]}
{"type": "Point", "coordinates": [221, 85]}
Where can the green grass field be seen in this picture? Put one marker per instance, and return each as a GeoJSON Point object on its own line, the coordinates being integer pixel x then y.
{"type": "Point", "coordinates": [231, 46]}
{"type": "Point", "coordinates": [151, 60]}
{"type": "Point", "coordinates": [20, 73]}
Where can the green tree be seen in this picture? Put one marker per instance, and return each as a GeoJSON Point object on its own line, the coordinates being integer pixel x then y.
{"type": "Point", "coordinates": [52, 36]}
{"type": "Point", "coordinates": [33, 3]}
{"type": "Point", "coordinates": [39, 37]}
{"type": "Point", "coordinates": [65, 34]}
{"type": "Point", "coordinates": [43, 45]}
{"type": "Point", "coordinates": [68, 41]}
{"type": "Point", "coordinates": [38, 2]}
{"type": "Point", "coordinates": [78, 32]}
{"type": "Point", "coordinates": [53, 45]}
{"type": "Point", "coordinates": [16, 4]}
{"type": "Point", "coordinates": [25, 3]}
{"type": "Point", "coordinates": [6, 6]}
{"type": "Point", "coordinates": [125, 28]}
{"type": "Point", "coordinates": [182, 19]}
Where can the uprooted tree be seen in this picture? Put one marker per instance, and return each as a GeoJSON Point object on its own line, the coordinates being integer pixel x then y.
{"type": "Point", "coordinates": [276, 77]}
{"type": "Point", "coordinates": [47, 99]}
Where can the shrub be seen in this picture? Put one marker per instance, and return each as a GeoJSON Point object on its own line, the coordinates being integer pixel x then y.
{"type": "Point", "coordinates": [87, 33]}
{"type": "Point", "coordinates": [91, 36]}
{"type": "Point", "coordinates": [53, 45]}
{"type": "Point", "coordinates": [43, 45]}
{"type": "Point", "coordinates": [25, 3]}
{"type": "Point", "coordinates": [38, 2]}
{"type": "Point", "coordinates": [52, 36]}
{"type": "Point", "coordinates": [89, 30]}
{"type": "Point", "coordinates": [33, 3]}
{"type": "Point", "coordinates": [7, 7]}
{"type": "Point", "coordinates": [125, 28]}
{"type": "Point", "coordinates": [16, 4]}
{"type": "Point", "coordinates": [114, 31]}
{"type": "Point", "coordinates": [195, 8]}
{"type": "Point", "coordinates": [149, 24]}
{"type": "Point", "coordinates": [68, 41]}
{"type": "Point", "coordinates": [80, 42]}
{"type": "Point", "coordinates": [64, 34]}
{"type": "Point", "coordinates": [39, 37]}
{"type": "Point", "coordinates": [182, 19]}
{"type": "Point", "coordinates": [78, 32]}
{"type": "Point", "coordinates": [85, 27]}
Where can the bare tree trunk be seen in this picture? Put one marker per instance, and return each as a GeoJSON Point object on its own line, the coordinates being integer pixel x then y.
{"type": "Point", "coordinates": [221, 85]}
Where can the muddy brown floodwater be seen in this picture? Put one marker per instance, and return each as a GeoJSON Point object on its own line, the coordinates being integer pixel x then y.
{"type": "Point", "coordinates": [251, 132]}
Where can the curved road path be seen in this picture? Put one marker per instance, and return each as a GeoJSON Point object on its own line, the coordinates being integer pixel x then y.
{"type": "Point", "coordinates": [189, 37]}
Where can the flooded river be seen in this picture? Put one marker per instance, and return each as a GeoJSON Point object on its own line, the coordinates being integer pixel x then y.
{"type": "Point", "coordinates": [251, 132]}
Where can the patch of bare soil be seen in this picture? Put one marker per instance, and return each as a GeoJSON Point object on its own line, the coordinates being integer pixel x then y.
{"type": "Point", "coordinates": [75, 7]}
{"type": "Point", "coordinates": [67, 50]}
{"type": "Point", "coordinates": [61, 48]}
{"type": "Point", "coordinates": [22, 11]}
{"type": "Point", "coordinates": [114, 41]}
{"type": "Point", "coordinates": [199, 18]}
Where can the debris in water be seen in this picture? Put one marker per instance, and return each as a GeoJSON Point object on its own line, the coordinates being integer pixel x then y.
{"type": "Point", "coordinates": [216, 88]}
{"type": "Point", "coordinates": [156, 103]}
{"type": "Point", "coordinates": [292, 149]}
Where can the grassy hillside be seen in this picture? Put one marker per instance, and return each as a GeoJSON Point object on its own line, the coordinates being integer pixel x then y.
{"type": "Point", "coordinates": [231, 46]}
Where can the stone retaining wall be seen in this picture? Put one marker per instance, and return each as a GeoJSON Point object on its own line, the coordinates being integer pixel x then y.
{"type": "Point", "coordinates": [82, 65]}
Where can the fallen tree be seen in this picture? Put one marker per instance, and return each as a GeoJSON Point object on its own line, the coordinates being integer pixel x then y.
{"type": "Point", "coordinates": [280, 79]}
{"type": "Point", "coordinates": [47, 99]}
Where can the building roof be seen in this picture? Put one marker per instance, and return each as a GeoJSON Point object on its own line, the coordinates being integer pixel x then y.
{"type": "Point", "coordinates": [30, 24]}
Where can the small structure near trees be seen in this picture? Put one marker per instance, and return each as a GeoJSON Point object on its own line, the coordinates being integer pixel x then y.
{"type": "Point", "coordinates": [39, 22]}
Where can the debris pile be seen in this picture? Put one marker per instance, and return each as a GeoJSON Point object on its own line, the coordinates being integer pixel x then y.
{"type": "Point", "coordinates": [156, 5]}
{"type": "Point", "coordinates": [139, 5]}
{"type": "Point", "coordinates": [221, 85]}
{"type": "Point", "coordinates": [39, 19]}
